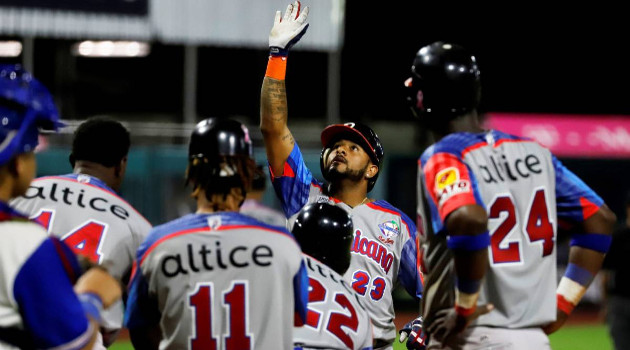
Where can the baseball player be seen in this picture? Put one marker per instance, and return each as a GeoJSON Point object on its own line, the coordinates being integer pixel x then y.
{"type": "Point", "coordinates": [84, 210]}
{"type": "Point", "coordinates": [217, 279]}
{"type": "Point", "coordinates": [337, 318]}
{"type": "Point", "coordinates": [253, 205]}
{"type": "Point", "coordinates": [38, 307]}
{"type": "Point", "coordinates": [384, 247]}
{"type": "Point", "coordinates": [493, 202]}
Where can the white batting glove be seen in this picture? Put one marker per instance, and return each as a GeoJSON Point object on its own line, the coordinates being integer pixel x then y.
{"type": "Point", "coordinates": [288, 29]}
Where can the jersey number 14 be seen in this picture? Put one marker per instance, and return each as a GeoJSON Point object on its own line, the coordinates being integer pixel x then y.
{"type": "Point", "coordinates": [85, 240]}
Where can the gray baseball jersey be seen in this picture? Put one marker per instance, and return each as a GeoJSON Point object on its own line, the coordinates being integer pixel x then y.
{"type": "Point", "coordinates": [525, 191]}
{"type": "Point", "coordinates": [219, 281]}
{"type": "Point", "coordinates": [93, 220]}
{"type": "Point", "coordinates": [336, 317]}
{"type": "Point", "coordinates": [384, 250]}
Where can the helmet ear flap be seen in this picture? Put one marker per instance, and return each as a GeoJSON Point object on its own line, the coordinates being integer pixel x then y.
{"type": "Point", "coordinates": [322, 161]}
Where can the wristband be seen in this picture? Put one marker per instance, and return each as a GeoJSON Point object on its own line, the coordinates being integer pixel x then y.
{"type": "Point", "coordinates": [569, 294]}
{"type": "Point", "coordinates": [572, 287]}
{"type": "Point", "coordinates": [469, 242]}
{"type": "Point", "coordinates": [579, 274]}
{"type": "Point", "coordinates": [276, 67]}
{"type": "Point", "coordinates": [465, 303]}
{"type": "Point", "coordinates": [595, 241]}
{"type": "Point", "coordinates": [468, 286]}
{"type": "Point", "coordinates": [92, 305]}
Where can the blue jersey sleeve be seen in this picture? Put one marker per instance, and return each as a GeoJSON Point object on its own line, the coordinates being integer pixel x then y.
{"type": "Point", "coordinates": [409, 274]}
{"type": "Point", "coordinates": [51, 311]}
{"type": "Point", "coordinates": [141, 310]}
{"type": "Point", "coordinates": [576, 201]}
{"type": "Point", "coordinates": [293, 185]}
{"type": "Point", "coordinates": [300, 290]}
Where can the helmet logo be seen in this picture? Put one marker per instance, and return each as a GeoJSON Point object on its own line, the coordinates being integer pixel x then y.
{"type": "Point", "coordinates": [246, 132]}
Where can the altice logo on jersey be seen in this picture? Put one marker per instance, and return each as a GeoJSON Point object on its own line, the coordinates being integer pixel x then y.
{"type": "Point", "coordinates": [373, 250]}
{"type": "Point", "coordinates": [64, 194]}
{"type": "Point", "coordinates": [512, 169]}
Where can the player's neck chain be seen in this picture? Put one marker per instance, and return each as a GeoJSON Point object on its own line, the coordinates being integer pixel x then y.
{"type": "Point", "coordinates": [363, 202]}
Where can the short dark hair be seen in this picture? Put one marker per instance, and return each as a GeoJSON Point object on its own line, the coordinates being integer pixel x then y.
{"type": "Point", "coordinates": [100, 140]}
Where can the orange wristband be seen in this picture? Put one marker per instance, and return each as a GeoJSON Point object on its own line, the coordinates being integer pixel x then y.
{"type": "Point", "coordinates": [277, 67]}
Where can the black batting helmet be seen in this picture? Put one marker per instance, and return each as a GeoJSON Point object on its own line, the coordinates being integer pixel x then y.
{"type": "Point", "coordinates": [444, 83]}
{"type": "Point", "coordinates": [220, 156]}
{"type": "Point", "coordinates": [324, 231]}
{"type": "Point", "coordinates": [215, 137]}
{"type": "Point", "coordinates": [355, 132]}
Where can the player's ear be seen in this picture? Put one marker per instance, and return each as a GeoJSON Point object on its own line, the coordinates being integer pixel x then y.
{"type": "Point", "coordinates": [372, 170]}
{"type": "Point", "coordinates": [121, 167]}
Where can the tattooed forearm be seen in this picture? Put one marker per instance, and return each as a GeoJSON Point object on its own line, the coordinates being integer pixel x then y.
{"type": "Point", "coordinates": [274, 101]}
{"type": "Point", "coordinates": [288, 138]}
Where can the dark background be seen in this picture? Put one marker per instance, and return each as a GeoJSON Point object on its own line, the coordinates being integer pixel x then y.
{"type": "Point", "coordinates": [537, 58]}
{"type": "Point", "coordinates": [533, 58]}
{"type": "Point", "coordinates": [128, 7]}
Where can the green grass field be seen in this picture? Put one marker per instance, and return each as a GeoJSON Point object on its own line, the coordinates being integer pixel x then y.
{"type": "Point", "coordinates": [568, 338]}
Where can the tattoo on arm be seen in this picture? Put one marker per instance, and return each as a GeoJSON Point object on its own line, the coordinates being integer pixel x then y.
{"type": "Point", "coordinates": [274, 101]}
{"type": "Point", "coordinates": [288, 138]}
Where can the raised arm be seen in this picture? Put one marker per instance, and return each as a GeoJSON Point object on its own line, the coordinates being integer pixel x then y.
{"type": "Point", "coordinates": [287, 30]}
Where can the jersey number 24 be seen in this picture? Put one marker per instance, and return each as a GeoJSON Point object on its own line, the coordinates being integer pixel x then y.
{"type": "Point", "coordinates": [537, 227]}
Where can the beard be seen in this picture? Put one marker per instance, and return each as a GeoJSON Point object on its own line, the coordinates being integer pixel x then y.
{"type": "Point", "coordinates": [349, 174]}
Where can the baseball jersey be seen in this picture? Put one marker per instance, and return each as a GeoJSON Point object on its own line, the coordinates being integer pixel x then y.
{"type": "Point", "coordinates": [525, 191]}
{"type": "Point", "coordinates": [93, 220]}
{"type": "Point", "coordinates": [219, 281]}
{"type": "Point", "coordinates": [336, 317]}
{"type": "Point", "coordinates": [261, 212]}
{"type": "Point", "coordinates": [37, 300]}
{"type": "Point", "coordinates": [384, 250]}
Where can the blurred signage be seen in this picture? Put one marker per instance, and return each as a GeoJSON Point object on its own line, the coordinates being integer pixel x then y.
{"type": "Point", "coordinates": [128, 7]}
{"type": "Point", "coordinates": [583, 136]}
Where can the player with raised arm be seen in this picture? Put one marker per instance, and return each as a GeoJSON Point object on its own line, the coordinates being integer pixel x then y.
{"type": "Point", "coordinates": [38, 307]}
{"type": "Point", "coordinates": [84, 210]}
{"type": "Point", "coordinates": [384, 249]}
{"type": "Point", "coordinates": [492, 202]}
{"type": "Point", "coordinates": [325, 233]}
{"type": "Point", "coordinates": [217, 279]}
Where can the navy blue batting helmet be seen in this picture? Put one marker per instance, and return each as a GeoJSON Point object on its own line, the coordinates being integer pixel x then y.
{"type": "Point", "coordinates": [26, 106]}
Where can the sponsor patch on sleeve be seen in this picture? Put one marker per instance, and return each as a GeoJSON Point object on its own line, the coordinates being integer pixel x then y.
{"type": "Point", "coordinates": [451, 187]}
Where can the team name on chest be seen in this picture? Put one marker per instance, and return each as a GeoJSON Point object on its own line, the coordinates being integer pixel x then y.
{"type": "Point", "coordinates": [202, 258]}
{"type": "Point", "coordinates": [373, 250]}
